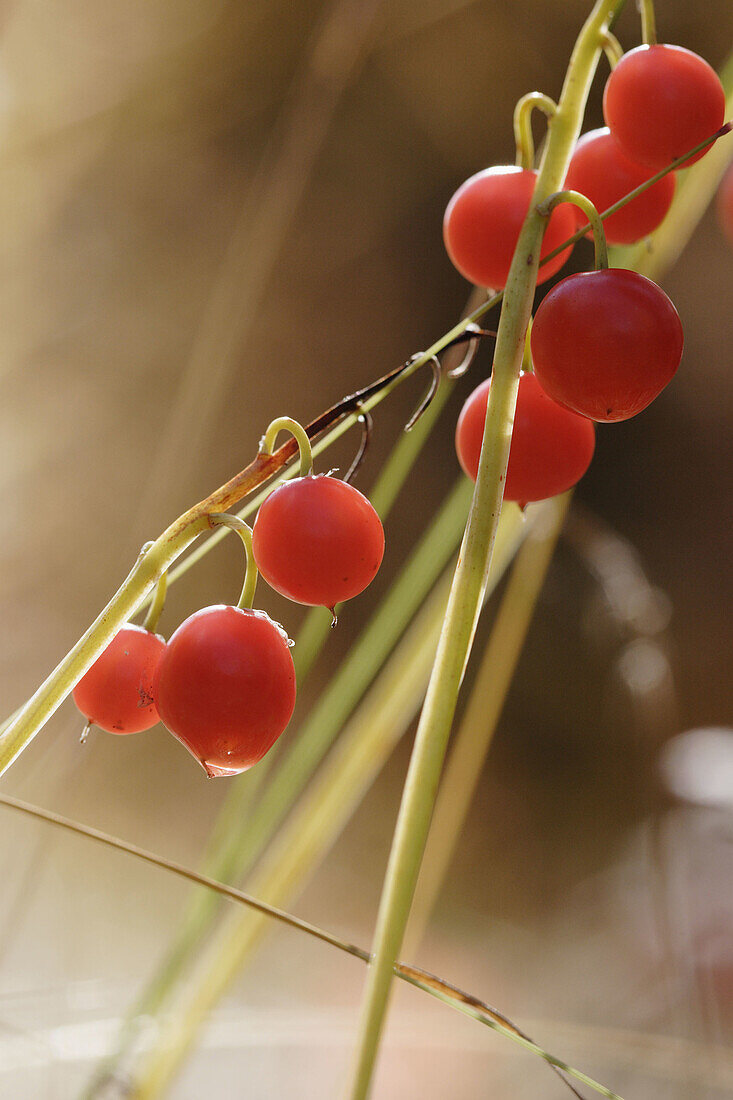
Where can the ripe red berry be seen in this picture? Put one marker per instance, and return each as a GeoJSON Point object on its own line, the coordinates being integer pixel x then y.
{"type": "Point", "coordinates": [318, 540]}
{"type": "Point", "coordinates": [483, 220]}
{"type": "Point", "coordinates": [226, 687]}
{"type": "Point", "coordinates": [551, 446]}
{"type": "Point", "coordinates": [606, 343]}
{"type": "Point", "coordinates": [724, 204]}
{"type": "Point", "coordinates": [661, 101]}
{"type": "Point", "coordinates": [601, 171]}
{"type": "Point", "coordinates": [116, 694]}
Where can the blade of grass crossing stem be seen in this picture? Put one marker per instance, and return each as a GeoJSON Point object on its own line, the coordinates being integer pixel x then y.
{"type": "Point", "coordinates": [465, 599]}
{"type": "Point", "coordinates": [428, 983]}
{"type": "Point", "coordinates": [489, 692]}
{"type": "Point", "coordinates": [326, 806]}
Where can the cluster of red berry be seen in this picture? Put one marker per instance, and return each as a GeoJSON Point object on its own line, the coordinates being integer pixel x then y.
{"type": "Point", "coordinates": [224, 684]}
{"type": "Point", "coordinates": [603, 343]}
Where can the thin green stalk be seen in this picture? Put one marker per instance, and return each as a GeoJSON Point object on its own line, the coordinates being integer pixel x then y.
{"type": "Point", "coordinates": [326, 805]}
{"type": "Point", "coordinates": [287, 424]}
{"type": "Point", "coordinates": [465, 599]}
{"type": "Point", "coordinates": [475, 733]}
{"type": "Point", "coordinates": [594, 220]}
{"type": "Point", "coordinates": [428, 983]}
{"type": "Point", "coordinates": [612, 48]}
{"type": "Point", "coordinates": [157, 604]}
{"type": "Point", "coordinates": [648, 22]}
{"type": "Point", "coordinates": [249, 585]}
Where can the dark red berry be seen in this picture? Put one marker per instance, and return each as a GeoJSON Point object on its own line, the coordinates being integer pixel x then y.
{"type": "Point", "coordinates": [318, 540]}
{"type": "Point", "coordinates": [660, 101]}
{"type": "Point", "coordinates": [601, 171]}
{"type": "Point", "coordinates": [116, 693]}
{"type": "Point", "coordinates": [551, 447]}
{"type": "Point", "coordinates": [483, 221]}
{"type": "Point", "coordinates": [606, 343]}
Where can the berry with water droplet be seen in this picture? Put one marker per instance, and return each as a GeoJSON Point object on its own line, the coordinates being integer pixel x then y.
{"type": "Point", "coordinates": [226, 687]}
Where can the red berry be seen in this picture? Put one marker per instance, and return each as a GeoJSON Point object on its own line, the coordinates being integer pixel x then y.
{"type": "Point", "coordinates": [226, 687]}
{"type": "Point", "coordinates": [724, 204]}
{"type": "Point", "coordinates": [601, 171]}
{"type": "Point", "coordinates": [551, 446]}
{"type": "Point", "coordinates": [116, 694]}
{"type": "Point", "coordinates": [483, 221]}
{"type": "Point", "coordinates": [661, 101]}
{"type": "Point", "coordinates": [317, 540]}
{"type": "Point", "coordinates": [606, 343]}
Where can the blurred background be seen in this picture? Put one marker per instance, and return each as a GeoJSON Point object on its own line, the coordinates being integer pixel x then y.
{"type": "Point", "coordinates": [213, 214]}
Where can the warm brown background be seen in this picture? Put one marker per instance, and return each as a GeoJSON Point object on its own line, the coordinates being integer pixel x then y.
{"type": "Point", "coordinates": [215, 213]}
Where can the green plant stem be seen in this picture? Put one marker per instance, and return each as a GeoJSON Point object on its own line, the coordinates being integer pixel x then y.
{"type": "Point", "coordinates": [523, 124]}
{"type": "Point", "coordinates": [249, 586]}
{"type": "Point", "coordinates": [287, 424]}
{"type": "Point", "coordinates": [489, 692]}
{"type": "Point", "coordinates": [156, 605]}
{"type": "Point", "coordinates": [469, 580]}
{"type": "Point", "coordinates": [648, 22]}
{"type": "Point", "coordinates": [612, 48]}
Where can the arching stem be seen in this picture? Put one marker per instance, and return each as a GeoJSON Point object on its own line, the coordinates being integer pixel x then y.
{"type": "Point", "coordinates": [523, 124]}
{"type": "Point", "coordinates": [544, 209]}
{"type": "Point", "coordinates": [287, 424]}
{"type": "Point", "coordinates": [222, 519]}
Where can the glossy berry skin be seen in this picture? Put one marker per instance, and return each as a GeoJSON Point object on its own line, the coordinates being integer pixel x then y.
{"type": "Point", "coordinates": [226, 687]}
{"type": "Point", "coordinates": [601, 171]}
{"type": "Point", "coordinates": [116, 693]}
{"type": "Point", "coordinates": [606, 343]}
{"type": "Point", "coordinates": [483, 220]}
{"type": "Point", "coordinates": [724, 204]}
{"type": "Point", "coordinates": [551, 446]}
{"type": "Point", "coordinates": [660, 101]}
{"type": "Point", "coordinates": [318, 540]}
